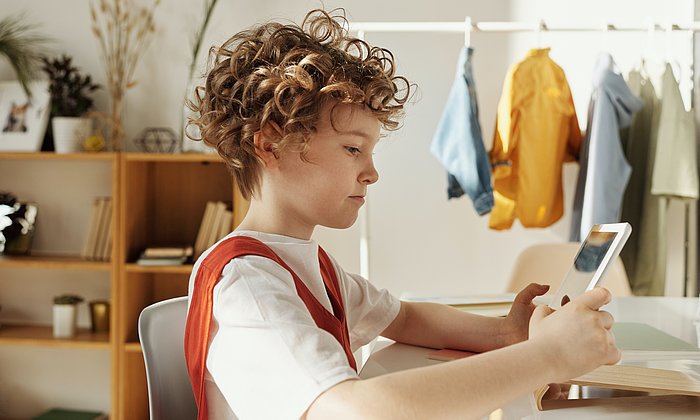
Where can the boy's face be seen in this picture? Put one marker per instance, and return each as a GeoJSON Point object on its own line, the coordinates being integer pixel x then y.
{"type": "Point", "coordinates": [329, 189]}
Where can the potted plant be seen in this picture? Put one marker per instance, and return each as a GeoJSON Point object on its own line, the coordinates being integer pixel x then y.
{"type": "Point", "coordinates": [65, 315]}
{"type": "Point", "coordinates": [70, 101]}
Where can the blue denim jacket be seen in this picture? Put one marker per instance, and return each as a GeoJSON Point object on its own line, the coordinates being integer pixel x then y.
{"type": "Point", "coordinates": [458, 143]}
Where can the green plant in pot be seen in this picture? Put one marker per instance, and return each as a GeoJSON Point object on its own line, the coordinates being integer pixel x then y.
{"type": "Point", "coordinates": [65, 315]}
{"type": "Point", "coordinates": [70, 101]}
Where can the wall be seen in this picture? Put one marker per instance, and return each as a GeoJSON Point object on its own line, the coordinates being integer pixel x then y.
{"type": "Point", "coordinates": [420, 243]}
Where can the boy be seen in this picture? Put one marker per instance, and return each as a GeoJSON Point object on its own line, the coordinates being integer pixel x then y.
{"type": "Point", "coordinates": [273, 320]}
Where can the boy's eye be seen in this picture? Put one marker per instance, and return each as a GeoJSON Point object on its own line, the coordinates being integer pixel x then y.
{"type": "Point", "coordinates": [353, 150]}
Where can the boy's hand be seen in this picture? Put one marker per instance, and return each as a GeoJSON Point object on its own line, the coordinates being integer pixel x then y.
{"type": "Point", "coordinates": [518, 320]}
{"type": "Point", "coordinates": [578, 335]}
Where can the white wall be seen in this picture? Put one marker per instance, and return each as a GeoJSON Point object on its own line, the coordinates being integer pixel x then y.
{"type": "Point", "coordinates": [420, 242]}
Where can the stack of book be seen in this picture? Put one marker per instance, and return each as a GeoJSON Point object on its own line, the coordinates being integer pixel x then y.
{"type": "Point", "coordinates": [64, 414]}
{"type": "Point", "coordinates": [165, 256]}
{"type": "Point", "coordinates": [216, 223]}
{"type": "Point", "coordinates": [98, 242]}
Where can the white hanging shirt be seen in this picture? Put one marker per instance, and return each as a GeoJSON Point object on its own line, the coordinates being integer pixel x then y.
{"type": "Point", "coordinates": [267, 359]}
{"type": "Point", "coordinates": [675, 164]}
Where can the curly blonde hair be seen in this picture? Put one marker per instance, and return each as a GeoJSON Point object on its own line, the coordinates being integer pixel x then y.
{"type": "Point", "coordinates": [282, 74]}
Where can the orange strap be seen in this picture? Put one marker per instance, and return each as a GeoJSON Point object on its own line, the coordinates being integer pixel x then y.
{"type": "Point", "coordinates": [202, 302]}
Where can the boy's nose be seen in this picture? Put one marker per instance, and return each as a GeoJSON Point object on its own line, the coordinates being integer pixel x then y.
{"type": "Point", "coordinates": [370, 175]}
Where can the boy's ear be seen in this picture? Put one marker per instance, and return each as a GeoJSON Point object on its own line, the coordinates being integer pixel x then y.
{"type": "Point", "coordinates": [264, 141]}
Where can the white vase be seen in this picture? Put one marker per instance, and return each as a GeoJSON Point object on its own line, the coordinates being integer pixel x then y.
{"type": "Point", "coordinates": [64, 320]}
{"type": "Point", "coordinates": [69, 133]}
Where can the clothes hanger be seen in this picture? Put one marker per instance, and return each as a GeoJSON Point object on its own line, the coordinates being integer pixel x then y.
{"type": "Point", "coordinates": [468, 32]}
{"type": "Point", "coordinates": [648, 49]}
{"type": "Point", "coordinates": [541, 27]}
{"type": "Point", "coordinates": [670, 59]}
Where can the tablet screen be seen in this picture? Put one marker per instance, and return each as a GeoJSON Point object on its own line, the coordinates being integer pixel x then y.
{"type": "Point", "coordinates": [600, 248]}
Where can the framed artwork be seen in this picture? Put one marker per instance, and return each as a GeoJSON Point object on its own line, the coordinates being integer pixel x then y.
{"type": "Point", "coordinates": [23, 121]}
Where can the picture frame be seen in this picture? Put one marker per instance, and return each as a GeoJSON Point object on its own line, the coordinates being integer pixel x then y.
{"type": "Point", "coordinates": [23, 122]}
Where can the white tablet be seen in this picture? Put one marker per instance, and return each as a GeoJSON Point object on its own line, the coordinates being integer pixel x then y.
{"type": "Point", "coordinates": [600, 249]}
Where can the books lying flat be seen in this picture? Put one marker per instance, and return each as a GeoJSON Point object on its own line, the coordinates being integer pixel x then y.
{"type": "Point", "coordinates": [167, 252]}
{"type": "Point", "coordinates": [162, 261]}
{"type": "Point", "coordinates": [156, 256]}
{"type": "Point", "coordinates": [63, 414]}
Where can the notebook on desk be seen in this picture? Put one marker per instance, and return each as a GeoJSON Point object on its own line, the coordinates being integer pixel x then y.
{"type": "Point", "coordinates": [641, 342]}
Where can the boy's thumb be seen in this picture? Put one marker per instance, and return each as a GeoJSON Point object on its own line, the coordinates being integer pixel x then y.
{"type": "Point", "coordinates": [541, 312]}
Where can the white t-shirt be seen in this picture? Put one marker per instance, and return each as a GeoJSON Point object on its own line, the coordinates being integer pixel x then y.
{"type": "Point", "coordinates": [267, 359]}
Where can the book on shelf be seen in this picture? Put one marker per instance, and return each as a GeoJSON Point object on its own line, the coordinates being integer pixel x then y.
{"type": "Point", "coordinates": [203, 233]}
{"type": "Point", "coordinates": [215, 224]}
{"type": "Point", "coordinates": [160, 256]}
{"type": "Point", "coordinates": [97, 245]}
{"type": "Point", "coordinates": [91, 235]}
{"type": "Point", "coordinates": [161, 261]}
{"type": "Point", "coordinates": [225, 225]}
{"type": "Point", "coordinates": [165, 252]}
{"type": "Point", "coordinates": [66, 414]}
{"type": "Point", "coordinates": [106, 229]}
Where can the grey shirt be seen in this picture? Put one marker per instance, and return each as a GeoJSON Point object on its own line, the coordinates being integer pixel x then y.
{"type": "Point", "coordinates": [604, 170]}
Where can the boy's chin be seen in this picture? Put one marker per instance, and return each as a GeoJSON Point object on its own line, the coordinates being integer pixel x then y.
{"type": "Point", "coordinates": [340, 224]}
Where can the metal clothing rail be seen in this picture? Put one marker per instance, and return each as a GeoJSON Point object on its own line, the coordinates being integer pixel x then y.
{"type": "Point", "coordinates": [468, 25]}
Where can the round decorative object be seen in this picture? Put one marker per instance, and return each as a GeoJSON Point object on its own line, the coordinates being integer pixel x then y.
{"type": "Point", "coordinates": [94, 143]}
{"type": "Point", "coordinates": [157, 140]}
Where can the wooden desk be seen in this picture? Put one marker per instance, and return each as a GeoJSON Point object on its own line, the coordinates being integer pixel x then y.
{"type": "Point", "coordinates": [673, 315]}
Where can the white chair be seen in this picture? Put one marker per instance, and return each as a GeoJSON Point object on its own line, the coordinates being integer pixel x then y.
{"type": "Point", "coordinates": [549, 263]}
{"type": "Point", "coordinates": [162, 336]}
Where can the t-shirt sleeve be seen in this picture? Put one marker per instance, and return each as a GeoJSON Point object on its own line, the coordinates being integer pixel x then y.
{"type": "Point", "coordinates": [267, 356]}
{"type": "Point", "coordinates": [369, 310]}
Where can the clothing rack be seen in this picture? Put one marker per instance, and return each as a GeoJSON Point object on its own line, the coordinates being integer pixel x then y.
{"type": "Point", "coordinates": [467, 27]}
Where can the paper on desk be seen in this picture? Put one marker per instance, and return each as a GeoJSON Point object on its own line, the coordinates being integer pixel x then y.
{"type": "Point", "coordinates": [493, 299]}
{"type": "Point", "coordinates": [485, 305]}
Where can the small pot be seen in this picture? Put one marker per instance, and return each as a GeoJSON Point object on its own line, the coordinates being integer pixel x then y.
{"type": "Point", "coordinates": [64, 320]}
{"type": "Point", "coordinates": [69, 133]}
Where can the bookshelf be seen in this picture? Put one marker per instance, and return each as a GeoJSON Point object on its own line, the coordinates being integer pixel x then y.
{"type": "Point", "coordinates": [27, 283]}
{"type": "Point", "coordinates": [163, 201]}
{"type": "Point", "coordinates": [158, 200]}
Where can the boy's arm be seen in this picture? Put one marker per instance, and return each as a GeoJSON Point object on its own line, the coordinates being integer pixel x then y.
{"type": "Point", "coordinates": [563, 345]}
{"type": "Point", "coordinates": [440, 326]}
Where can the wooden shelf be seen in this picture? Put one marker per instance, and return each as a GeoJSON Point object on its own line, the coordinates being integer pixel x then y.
{"type": "Point", "coordinates": [159, 269]}
{"type": "Point", "coordinates": [53, 262]}
{"type": "Point", "coordinates": [30, 335]}
{"type": "Point", "coordinates": [101, 156]}
{"type": "Point", "coordinates": [172, 157]}
{"type": "Point", "coordinates": [132, 347]}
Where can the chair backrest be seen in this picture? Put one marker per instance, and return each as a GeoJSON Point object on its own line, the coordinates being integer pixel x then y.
{"type": "Point", "coordinates": [162, 336]}
{"type": "Point", "coordinates": [549, 263]}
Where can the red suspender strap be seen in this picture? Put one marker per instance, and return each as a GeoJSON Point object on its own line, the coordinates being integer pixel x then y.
{"type": "Point", "coordinates": [202, 301]}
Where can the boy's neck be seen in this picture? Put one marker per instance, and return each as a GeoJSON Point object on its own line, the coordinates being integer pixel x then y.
{"type": "Point", "coordinates": [261, 218]}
